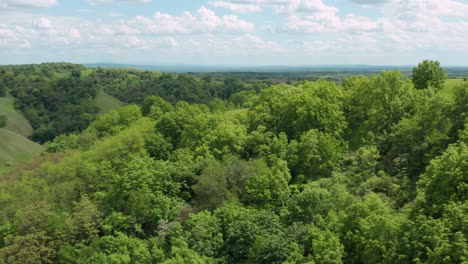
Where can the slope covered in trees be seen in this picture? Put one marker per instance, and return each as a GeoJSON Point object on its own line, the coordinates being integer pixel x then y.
{"type": "Point", "coordinates": [62, 98]}
{"type": "Point", "coordinates": [371, 170]}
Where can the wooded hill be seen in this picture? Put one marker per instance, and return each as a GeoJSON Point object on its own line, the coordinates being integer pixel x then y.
{"type": "Point", "coordinates": [203, 170]}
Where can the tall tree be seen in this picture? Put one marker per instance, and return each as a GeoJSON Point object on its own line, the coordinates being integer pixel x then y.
{"type": "Point", "coordinates": [429, 73]}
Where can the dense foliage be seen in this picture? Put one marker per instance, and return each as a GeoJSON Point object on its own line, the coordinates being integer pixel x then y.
{"type": "Point", "coordinates": [372, 170]}
{"type": "Point", "coordinates": [429, 74]}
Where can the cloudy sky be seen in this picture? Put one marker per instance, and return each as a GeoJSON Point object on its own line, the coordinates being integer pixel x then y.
{"type": "Point", "coordinates": [234, 32]}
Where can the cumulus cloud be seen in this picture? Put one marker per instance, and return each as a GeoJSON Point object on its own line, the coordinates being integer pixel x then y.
{"type": "Point", "coordinates": [280, 6]}
{"type": "Point", "coordinates": [312, 6]}
{"type": "Point", "coordinates": [404, 26]}
{"type": "Point", "coordinates": [203, 21]}
{"type": "Point", "coordinates": [438, 8]}
{"type": "Point", "coordinates": [238, 7]}
{"type": "Point", "coordinates": [142, 33]}
{"type": "Point", "coordinates": [43, 23]}
{"type": "Point", "coordinates": [298, 28]}
{"type": "Point", "coordinates": [54, 31]}
{"type": "Point", "coordinates": [371, 2]}
{"type": "Point", "coordinates": [10, 37]}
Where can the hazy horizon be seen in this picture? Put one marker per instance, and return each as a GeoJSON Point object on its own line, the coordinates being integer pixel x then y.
{"type": "Point", "coordinates": [123, 64]}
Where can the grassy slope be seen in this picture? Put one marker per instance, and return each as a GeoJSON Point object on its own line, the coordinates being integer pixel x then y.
{"type": "Point", "coordinates": [14, 149]}
{"type": "Point", "coordinates": [105, 102]}
{"type": "Point", "coordinates": [16, 122]}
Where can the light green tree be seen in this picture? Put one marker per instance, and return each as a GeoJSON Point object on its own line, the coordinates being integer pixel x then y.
{"type": "Point", "coordinates": [429, 73]}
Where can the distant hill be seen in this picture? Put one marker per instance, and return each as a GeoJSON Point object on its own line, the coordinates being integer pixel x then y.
{"type": "Point", "coordinates": [241, 68]}
{"type": "Point", "coordinates": [304, 71]}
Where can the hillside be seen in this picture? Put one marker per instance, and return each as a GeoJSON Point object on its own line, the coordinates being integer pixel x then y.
{"type": "Point", "coordinates": [106, 103]}
{"type": "Point", "coordinates": [16, 121]}
{"type": "Point", "coordinates": [15, 149]}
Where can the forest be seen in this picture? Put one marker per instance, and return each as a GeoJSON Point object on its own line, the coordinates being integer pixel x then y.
{"type": "Point", "coordinates": [106, 165]}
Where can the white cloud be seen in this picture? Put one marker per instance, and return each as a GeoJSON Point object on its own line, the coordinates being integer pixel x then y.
{"type": "Point", "coordinates": [11, 37]}
{"type": "Point", "coordinates": [238, 7]}
{"type": "Point", "coordinates": [204, 21]}
{"type": "Point", "coordinates": [405, 26]}
{"type": "Point", "coordinates": [371, 2]}
{"type": "Point", "coordinates": [43, 23]}
{"type": "Point", "coordinates": [74, 33]}
{"type": "Point", "coordinates": [5, 32]}
{"type": "Point", "coordinates": [437, 8]}
{"type": "Point", "coordinates": [45, 31]}
{"type": "Point", "coordinates": [434, 7]}
{"type": "Point", "coordinates": [99, 2]}
{"type": "Point", "coordinates": [26, 3]}
{"type": "Point", "coordinates": [310, 24]}
{"type": "Point", "coordinates": [280, 6]}
{"type": "Point", "coordinates": [167, 42]}
{"type": "Point", "coordinates": [297, 31]}
{"type": "Point", "coordinates": [162, 35]}
{"type": "Point", "coordinates": [328, 23]}
{"type": "Point", "coordinates": [133, 41]}
{"type": "Point", "coordinates": [356, 24]}
{"type": "Point", "coordinates": [312, 6]}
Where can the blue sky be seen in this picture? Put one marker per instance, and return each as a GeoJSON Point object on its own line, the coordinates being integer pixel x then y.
{"type": "Point", "coordinates": [234, 32]}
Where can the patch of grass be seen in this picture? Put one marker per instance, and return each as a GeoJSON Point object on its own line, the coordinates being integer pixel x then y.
{"type": "Point", "coordinates": [16, 149]}
{"type": "Point", "coordinates": [16, 121]}
{"type": "Point", "coordinates": [106, 103]}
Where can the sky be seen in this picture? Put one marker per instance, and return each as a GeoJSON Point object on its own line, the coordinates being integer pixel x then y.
{"type": "Point", "coordinates": [234, 32]}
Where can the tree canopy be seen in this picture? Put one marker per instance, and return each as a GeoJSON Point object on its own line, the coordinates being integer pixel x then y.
{"type": "Point", "coordinates": [201, 170]}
